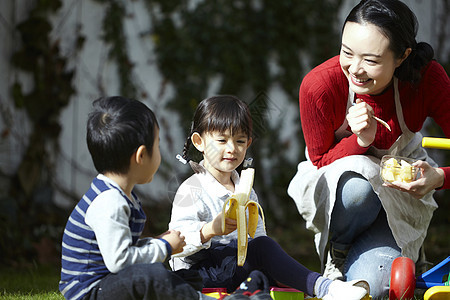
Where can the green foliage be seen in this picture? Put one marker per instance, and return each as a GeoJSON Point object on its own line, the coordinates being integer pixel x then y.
{"type": "Point", "coordinates": [39, 59]}
{"type": "Point", "coordinates": [114, 34]}
{"type": "Point", "coordinates": [239, 42]}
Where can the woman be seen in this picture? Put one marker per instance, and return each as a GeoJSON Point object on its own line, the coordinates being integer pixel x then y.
{"type": "Point", "coordinates": [381, 71]}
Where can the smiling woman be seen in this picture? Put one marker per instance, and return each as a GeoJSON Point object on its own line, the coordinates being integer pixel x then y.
{"type": "Point", "coordinates": [381, 72]}
{"type": "Point", "coordinates": [366, 59]}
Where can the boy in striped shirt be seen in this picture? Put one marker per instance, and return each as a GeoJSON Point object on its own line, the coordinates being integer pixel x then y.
{"type": "Point", "coordinates": [103, 255]}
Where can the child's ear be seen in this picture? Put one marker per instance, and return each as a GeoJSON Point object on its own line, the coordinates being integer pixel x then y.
{"type": "Point", "coordinates": [249, 142]}
{"type": "Point", "coordinates": [197, 141]}
{"type": "Point", "coordinates": [140, 153]}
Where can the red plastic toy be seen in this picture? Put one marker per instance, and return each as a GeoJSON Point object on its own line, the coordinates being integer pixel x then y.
{"type": "Point", "coordinates": [403, 280]}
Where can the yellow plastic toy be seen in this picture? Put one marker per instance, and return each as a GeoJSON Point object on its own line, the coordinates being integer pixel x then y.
{"type": "Point", "coordinates": [437, 293]}
{"type": "Point", "coordinates": [286, 294]}
{"type": "Point", "coordinates": [438, 143]}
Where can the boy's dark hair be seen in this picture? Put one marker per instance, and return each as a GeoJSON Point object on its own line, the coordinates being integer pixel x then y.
{"type": "Point", "coordinates": [399, 24]}
{"type": "Point", "coordinates": [219, 113]}
{"type": "Point", "coordinates": [116, 128]}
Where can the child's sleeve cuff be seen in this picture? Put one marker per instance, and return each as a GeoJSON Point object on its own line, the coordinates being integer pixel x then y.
{"type": "Point", "coordinates": [168, 247]}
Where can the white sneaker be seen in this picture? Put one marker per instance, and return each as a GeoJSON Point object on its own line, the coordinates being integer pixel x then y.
{"type": "Point", "coordinates": [350, 290]}
{"type": "Point", "coordinates": [333, 268]}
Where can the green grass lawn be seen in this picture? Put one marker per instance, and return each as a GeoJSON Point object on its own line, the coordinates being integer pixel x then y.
{"type": "Point", "coordinates": [39, 283]}
{"type": "Point", "coordinates": [36, 282]}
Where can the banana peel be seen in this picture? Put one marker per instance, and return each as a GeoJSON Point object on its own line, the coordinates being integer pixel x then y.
{"type": "Point", "coordinates": [238, 204]}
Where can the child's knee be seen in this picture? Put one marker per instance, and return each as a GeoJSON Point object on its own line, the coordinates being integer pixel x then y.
{"type": "Point", "coordinates": [260, 241]}
{"type": "Point", "coordinates": [263, 247]}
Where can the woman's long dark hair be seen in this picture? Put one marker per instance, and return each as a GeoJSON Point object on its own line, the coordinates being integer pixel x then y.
{"type": "Point", "coordinates": [399, 24]}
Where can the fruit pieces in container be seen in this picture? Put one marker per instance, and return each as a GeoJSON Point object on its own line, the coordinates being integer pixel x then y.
{"type": "Point", "coordinates": [397, 168]}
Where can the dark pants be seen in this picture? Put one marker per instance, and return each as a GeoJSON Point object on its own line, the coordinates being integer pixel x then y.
{"type": "Point", "coordinates": [147, 281]}
{"type": "Point", "coordinates": [218, 265]}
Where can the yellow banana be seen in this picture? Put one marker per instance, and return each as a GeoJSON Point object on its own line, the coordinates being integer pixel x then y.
{"type": "Point", "coordinates": [237, 205]}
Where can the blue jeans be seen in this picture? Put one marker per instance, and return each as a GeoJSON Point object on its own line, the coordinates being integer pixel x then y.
{"type": "Point", "coordinates": [147, 281]}
{"type": "Point", "coordinates": [359, 225]}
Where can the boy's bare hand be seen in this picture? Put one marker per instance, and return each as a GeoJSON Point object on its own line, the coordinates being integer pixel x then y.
{"type": "Point", "coordinates": [175, 239]}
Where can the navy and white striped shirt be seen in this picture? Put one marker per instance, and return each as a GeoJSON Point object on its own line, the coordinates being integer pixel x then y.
{"type": "Point", "coordinates": [83, 264]}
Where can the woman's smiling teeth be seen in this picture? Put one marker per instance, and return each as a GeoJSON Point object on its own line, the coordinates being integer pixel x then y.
{"type": "Point", "coordinates": [359, 80]}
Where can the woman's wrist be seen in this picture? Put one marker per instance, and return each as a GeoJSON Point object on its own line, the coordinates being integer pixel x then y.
{"type": "Point", "coordinates": [441, 181]}
{"type": "Point", "coordinates": [362, 143]}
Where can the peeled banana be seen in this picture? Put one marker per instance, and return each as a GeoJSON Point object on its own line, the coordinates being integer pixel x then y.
{"type": "Point", "coordinates": [237, 205]}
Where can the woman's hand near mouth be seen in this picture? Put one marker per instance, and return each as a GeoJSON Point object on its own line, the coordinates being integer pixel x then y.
{"type": "Point", "coordinates": [361, 122]}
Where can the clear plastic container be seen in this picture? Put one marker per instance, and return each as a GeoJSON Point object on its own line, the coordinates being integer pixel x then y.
{"type": "Point", "coordinates": [397, 168]}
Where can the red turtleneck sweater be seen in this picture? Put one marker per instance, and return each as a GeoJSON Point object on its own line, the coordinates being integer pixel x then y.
{"type": "Point", "coordinates": [323, 103]}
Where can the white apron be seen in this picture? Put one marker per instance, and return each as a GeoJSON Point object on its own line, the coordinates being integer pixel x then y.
{"type": "Point", "coordinates": [314, 190]}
